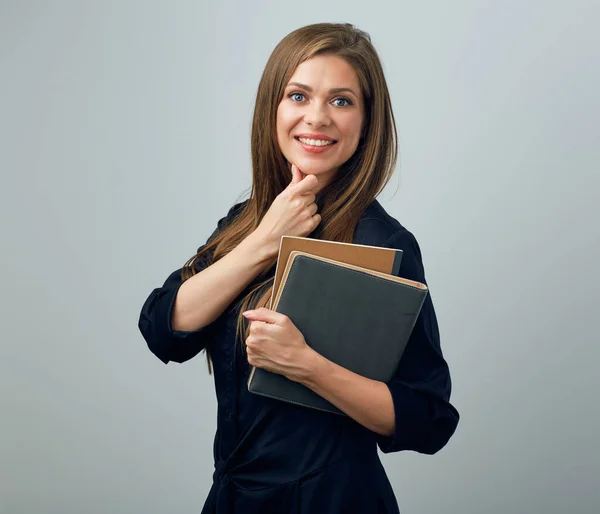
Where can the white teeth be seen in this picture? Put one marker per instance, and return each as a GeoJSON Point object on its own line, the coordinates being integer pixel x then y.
{"type": "Point", "coordinates": [314, 142]}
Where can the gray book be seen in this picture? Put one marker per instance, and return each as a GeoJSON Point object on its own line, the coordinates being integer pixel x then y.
{"type": "Point", "coordinates": [356, 317]}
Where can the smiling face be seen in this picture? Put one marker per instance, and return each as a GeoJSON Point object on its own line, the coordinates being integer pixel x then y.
{"type": "Point", "coordinates": [320, 118]}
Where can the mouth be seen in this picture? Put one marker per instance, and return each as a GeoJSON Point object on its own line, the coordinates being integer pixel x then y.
{"type": "Point", "coordinates": [319, 142]}
{"type": "Point", "coordinates": [315, 146]}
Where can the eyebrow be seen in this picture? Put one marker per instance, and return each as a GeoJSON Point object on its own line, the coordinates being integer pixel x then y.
{"type": "Point", "coordinates": [331, 91]}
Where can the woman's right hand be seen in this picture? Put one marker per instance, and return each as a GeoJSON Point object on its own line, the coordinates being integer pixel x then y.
{"type": "Point", "coordinates": [292, 213]}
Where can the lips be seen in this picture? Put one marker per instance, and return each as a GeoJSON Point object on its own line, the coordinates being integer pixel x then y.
{"type": "Point", "coordinates": [315, 145]}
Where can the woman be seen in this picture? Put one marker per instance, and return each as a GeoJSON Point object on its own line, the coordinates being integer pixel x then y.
{"type": "Point", "coordinates": [323, 147]}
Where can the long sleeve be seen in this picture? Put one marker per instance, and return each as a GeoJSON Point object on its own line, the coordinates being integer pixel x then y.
{"type": "Point", "coordinates": [421, 386]}
{"type": "Point", "coordinates": [156, 313]}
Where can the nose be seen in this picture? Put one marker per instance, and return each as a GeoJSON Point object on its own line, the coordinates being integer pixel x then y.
{"type": "Point", "coordinates": [316, 115]}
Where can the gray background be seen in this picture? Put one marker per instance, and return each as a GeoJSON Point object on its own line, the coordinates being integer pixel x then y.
{"type": "Point", "coordinates": [124, 133]}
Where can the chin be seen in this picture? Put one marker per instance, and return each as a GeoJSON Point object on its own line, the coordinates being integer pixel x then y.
{"type": "Point", "coordinates": [314, 168]}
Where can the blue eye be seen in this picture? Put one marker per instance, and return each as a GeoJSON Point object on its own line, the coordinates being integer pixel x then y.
{"type": "Point", "coordinates": [348, 102]}
{"type": "Point", "coordinates": [296, 95]}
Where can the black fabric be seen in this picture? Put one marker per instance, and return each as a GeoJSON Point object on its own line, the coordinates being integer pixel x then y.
{"type": "Point", "coordinates": [271, 456]}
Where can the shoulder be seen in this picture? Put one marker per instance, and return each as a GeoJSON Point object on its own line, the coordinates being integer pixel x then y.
{"type": "Point", "coordinates": [225, 221]}
{"type": "Point", "coordinates": [233, 213]}
{"type": "Point", "coordinates": [377, 227]}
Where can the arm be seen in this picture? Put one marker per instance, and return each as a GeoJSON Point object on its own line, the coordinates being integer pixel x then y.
{"type": "Point", "coordinates": [425, 420]}
{"type": "Point", "coordinates": [203, 298]}
{"type": "Point", "coordinates": [177, 318]}
{"type": "Point", "coordinates": [167, 340]}
{"type": "Point", "coordinates": [367, 401]}
{"type": "Point", "coordinates": [411, 412]}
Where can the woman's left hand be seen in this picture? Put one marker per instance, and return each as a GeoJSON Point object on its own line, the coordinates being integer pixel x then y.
{"type": "Point", "coordinates": [275, 344]}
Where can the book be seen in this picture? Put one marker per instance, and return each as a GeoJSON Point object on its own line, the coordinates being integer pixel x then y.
{"type": "Point", "coordinates": [356, 317]}
{"type": "Point", "coordinates": [375, 258]}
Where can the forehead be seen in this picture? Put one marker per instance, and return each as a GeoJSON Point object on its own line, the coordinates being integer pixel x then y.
{"type": "Point", "coordinates": [326, 72]}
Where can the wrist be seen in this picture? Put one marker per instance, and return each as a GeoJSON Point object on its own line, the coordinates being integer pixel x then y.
{"type": "Point", "coordinates": [267, 248]}
{"type": "Point", "coordinates": [263, 251]}
{"type": "Point", "coordinates": [315, 367]}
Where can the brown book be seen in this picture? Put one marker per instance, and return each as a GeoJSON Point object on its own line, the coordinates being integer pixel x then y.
{"type": "Point", "coordinates": [375, 258]}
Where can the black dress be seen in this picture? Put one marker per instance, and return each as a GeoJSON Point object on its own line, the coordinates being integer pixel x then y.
{"type": "Point", "coordinates": [271, 456]}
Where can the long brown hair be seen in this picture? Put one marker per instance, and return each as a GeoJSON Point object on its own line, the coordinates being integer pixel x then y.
{"type": "Point", "coordinates": [358, 182]}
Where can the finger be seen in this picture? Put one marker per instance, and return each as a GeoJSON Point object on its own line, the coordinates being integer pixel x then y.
{"type": "Point", "coordinates": [266, 315]}
{"type": "Point", "coordinates": [309, 198]}
{"type": "Point", "coordinates": [253, 328]}
{"type": "Point", "coordinates": [312, 209]}
{"type": "Point", "coordinates": [252, 360]}
{"type": "Point", "coordinates": [308, 184]}
{"type": "Point", "coordinates": [316, 219]}
{"type": "Point", "coordinates": [257, 327]}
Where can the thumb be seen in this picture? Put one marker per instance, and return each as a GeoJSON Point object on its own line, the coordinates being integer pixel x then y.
{"type": "Point", "coordinates": [297, 175]}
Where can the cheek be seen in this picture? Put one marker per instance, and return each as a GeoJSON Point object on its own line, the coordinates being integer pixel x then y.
{"type": "Point", "coordinates": [352, 133]}
{"type": "Point", "coordinates": [283, 121]}
{"type": "Point", "coordinates": [282, 130]}
{"type": "Point", "coordinates": [351, 127]}
{"type": "Point", "coordinates": [279, 123]}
